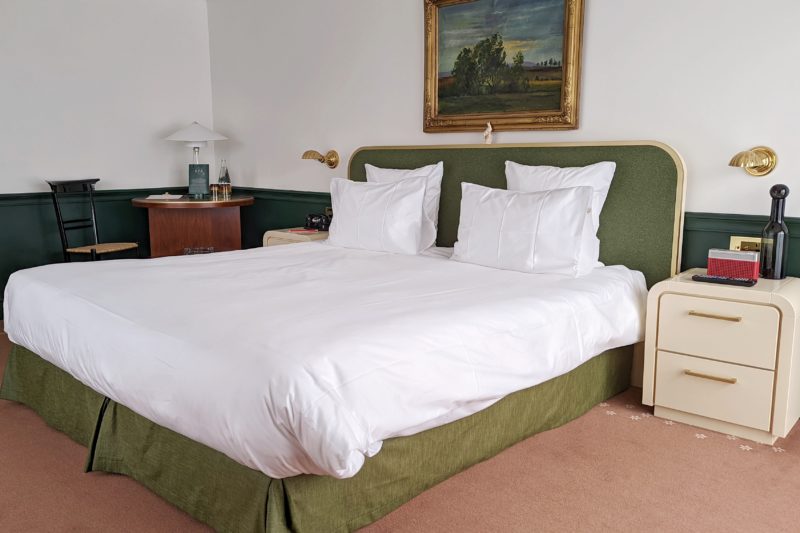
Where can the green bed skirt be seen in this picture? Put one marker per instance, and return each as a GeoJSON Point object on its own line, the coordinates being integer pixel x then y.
{"type": "Point", "coordinates": [230, 497]}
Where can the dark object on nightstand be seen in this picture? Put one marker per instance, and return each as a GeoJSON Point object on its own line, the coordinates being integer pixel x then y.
{"type": "Point", "coordinates": [739, 282]}
{"type": "Point", "coordinates": [82, 188]}
{"type": "Point", "coordinates": [320, 222]}
{"type": "Point", "coordinates": [775, 237]}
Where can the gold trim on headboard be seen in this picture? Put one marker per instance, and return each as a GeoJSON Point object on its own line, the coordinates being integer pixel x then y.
{"type": "Point", "coordinates": [680, 188]}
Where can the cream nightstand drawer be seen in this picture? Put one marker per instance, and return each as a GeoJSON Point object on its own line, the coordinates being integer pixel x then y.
{"type": "Point", "coordinates": [723, 391]}
{"type": "Point", "coordinates": [718, 329]}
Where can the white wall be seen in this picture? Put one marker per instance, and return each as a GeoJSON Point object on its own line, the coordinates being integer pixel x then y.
{"type": "Point", "coordinates": [89, 88]}
{"type": "Point", "coordinates": [710, 78]}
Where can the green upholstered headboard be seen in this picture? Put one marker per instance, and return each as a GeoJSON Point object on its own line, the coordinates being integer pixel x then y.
{"type": "Point", "coordinates": [641, 222]}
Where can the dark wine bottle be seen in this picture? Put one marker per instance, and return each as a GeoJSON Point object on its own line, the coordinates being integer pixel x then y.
{"type": "Point", "coordinates": [775, 237]}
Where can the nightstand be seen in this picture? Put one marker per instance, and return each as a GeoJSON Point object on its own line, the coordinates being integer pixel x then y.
{"type": "Point", "coordinates": [723, 357]}
{"type": "Point", "coordinates": [276, 237]}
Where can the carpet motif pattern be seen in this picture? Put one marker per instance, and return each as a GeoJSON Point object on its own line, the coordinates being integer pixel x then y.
{"type": "Point", "coordinates": [621, 409]}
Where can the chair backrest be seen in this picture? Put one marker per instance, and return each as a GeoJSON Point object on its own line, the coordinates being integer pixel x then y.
{"type": "Point", "coordinates": [84, 188]}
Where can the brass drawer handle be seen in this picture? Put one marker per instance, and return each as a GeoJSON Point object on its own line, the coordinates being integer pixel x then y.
{"type": "Point", "coordinates": [692, 373]}
{"type": "Point", "coordinates": [717, 317]}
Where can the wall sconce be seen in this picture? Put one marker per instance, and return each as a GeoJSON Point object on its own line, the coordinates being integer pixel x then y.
{"type": "Point", "coordinates": [758, 161]}
{"type": "Point", "coordinates": [331, 158]}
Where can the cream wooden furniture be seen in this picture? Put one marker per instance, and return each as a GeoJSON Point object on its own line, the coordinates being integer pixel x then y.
{"type": "Point", "coordinates": [724, 357]}
{"type": "Point", "coordinates": [276, 237]}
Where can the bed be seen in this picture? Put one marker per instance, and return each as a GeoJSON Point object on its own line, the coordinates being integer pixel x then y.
{"type": "Point", "coordinates": [232, 497]}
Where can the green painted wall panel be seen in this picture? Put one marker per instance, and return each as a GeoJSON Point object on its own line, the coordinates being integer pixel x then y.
{"type": "Point", "coordinates": [702, 231]}
{"type": "Point", "coordinates": [277, 209]}
{"type": "Point", "coordinates": [29, 234]}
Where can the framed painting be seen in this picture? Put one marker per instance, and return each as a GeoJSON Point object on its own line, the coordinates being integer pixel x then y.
{"type": "Point", "coordinates": [513, 63]}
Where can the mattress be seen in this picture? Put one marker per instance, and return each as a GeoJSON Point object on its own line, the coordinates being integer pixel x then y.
{"type": "Point", "coordinates": [304, 358]}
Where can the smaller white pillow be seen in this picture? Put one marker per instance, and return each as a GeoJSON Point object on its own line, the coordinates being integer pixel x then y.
{"type": "Point", "coordinates": [433, 175]}
{"type": "Point", "coordinates": [385, 217]}
{"type": "Point", "coordinates": [528, 232]}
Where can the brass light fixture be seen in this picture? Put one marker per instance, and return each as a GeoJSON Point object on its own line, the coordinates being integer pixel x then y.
{"type": "Point", "coordinates": [758, 161]}
{"type": "Point", "coordinates": [331, 158]}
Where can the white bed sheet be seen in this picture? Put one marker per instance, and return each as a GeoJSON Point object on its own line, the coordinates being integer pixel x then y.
{"type": "Point", "coordinates": [304, 358]}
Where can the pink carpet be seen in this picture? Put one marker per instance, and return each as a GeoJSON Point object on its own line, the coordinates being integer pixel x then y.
{"type": "Point", "coordinates": [617, 468]}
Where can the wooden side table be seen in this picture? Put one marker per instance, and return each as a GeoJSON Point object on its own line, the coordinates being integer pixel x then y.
{"type": "Point", "coordinates": [275, 237]}
{"type": "Point", "coordinates": [723, 357]}
{"type": "Point", "coordinates": [188, 223]}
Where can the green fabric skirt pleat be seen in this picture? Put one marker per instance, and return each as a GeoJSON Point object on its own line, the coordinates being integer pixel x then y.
{"type": "Point", "coordinates": [230, 497]}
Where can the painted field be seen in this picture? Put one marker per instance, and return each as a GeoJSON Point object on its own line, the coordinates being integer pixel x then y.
{"type": "Point", "coordinates": [542, 95]}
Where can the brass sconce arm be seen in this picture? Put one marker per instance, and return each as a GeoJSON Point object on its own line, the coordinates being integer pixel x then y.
{"type": "Point", "coordinates": [331, 158]}
{"type": "Point", "coordinates": [758, 161]}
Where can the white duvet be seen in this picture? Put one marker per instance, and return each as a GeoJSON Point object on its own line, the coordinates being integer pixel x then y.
{"type": "Point", "coordinates": [304, 358]}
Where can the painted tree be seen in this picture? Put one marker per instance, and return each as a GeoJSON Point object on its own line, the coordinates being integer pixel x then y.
{"type": "Point", "coordinates": [465, 72]}
{"type": "Point", "coordinates": [517, 74]}
{"type": "Point", "coordinates": [490, 56]}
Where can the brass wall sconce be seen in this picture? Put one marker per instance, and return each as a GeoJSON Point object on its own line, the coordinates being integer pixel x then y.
{"type": "Point", "coordinates": [758, 161]}
{"type": "Point", "coordinates": [331, 158]}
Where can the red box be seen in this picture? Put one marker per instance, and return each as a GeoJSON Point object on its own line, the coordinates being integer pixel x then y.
{"type": "Point", "coordinates": [733, 264]}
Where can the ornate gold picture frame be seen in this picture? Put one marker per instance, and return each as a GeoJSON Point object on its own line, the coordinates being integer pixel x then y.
{"type": "Point", "coordinates": [513, 63]}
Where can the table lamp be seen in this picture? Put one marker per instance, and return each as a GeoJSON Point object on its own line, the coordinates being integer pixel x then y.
{"type": "Point", "coordinates": [196, 136]}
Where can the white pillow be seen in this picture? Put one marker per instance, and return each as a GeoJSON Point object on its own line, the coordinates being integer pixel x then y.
{"type": "Point", "coordinates": [544, 178]}
{"type": "Point", "coordinates": [433, 175]}
{"type": "Point", "coordinates": [377, 216]}
{"type": "Point", "coordinates": [537, 232]}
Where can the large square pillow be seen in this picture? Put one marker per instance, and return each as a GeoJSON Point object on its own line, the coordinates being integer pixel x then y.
{"type": "Point", "coordinates": [537, 232]}
{"type": "Point", "coordinates": [433, 190]}
{"type": "Point", "coordinates": [598, 176]}
{"type": "Point", "coordinates": [385, 217]}
{"type": "Point", "coordinates": [539, 178]}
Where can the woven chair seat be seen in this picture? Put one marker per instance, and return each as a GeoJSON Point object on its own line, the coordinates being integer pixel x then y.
{"type": "Point", "coordinates": [104, 248]}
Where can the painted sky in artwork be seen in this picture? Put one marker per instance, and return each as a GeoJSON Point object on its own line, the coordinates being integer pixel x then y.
{"type": "Point", "coordinates": [533, 27]}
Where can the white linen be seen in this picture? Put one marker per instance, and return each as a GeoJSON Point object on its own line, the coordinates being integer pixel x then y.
{"type": "Point", "coordinates": [538, 178]}
{"type": "Point", "coordinates": [536, 232]}
{"type": "Point", "coordinates": [433, 178]}
{"type": "Point", "coordinates": [304, 358]}
{"type": "Point", "coordinates": [384, 217]}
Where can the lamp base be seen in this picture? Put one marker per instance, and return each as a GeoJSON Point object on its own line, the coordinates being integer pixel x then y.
{"type": "Point", "coordinates": [198, 180]}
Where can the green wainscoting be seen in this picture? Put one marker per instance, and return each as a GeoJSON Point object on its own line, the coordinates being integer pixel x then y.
{"type": "Point", "coordinates": [277, 209]}
{"type": "Point", "coordinates": [29, 236]}
{"type": "Point", "coordinates": [702, 231]}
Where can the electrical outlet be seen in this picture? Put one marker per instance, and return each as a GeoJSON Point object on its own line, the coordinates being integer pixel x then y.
{"type": "Point", "coordinates": [745, 244]}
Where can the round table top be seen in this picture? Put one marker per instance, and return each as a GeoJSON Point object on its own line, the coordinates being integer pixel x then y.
{"type": "Point", "coordinates": [187, 202]}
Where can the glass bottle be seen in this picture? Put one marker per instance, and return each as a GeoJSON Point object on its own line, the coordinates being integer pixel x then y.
{"type": "Point", "coordinates": [775, 237]}
{"type": "Point", "coordinates": [224, 181]}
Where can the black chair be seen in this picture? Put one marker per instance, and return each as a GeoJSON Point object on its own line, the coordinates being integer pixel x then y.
{"type": "Point", "coordinates": [83, 188]}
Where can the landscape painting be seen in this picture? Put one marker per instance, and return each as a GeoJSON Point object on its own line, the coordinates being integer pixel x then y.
{"type": "Point", "coordinates": [514, 63]}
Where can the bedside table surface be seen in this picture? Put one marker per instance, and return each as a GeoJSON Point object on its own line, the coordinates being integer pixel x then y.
{"type": "Point", "coordinates": [284, 236]}
{"type": "Point", "coordinates": [762, 292]}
